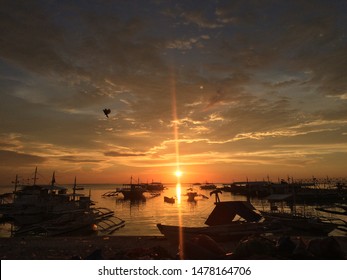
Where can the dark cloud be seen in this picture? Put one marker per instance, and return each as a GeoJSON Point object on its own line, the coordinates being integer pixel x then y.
{"type": "Point", "coordinates": [78, 159]}
{"type": "Point", "coordinates": [121, 154]}
{"type": "Point", "coordinates": [7, 145]}
{"type": "Point", "coordinates": [234, 70]}
{"type": "Point", "coordinates": [15, 159]}
{"type": "Point", "coordinates": [30, 38]}
{"type": "Point", "coordinates": [78, 47]}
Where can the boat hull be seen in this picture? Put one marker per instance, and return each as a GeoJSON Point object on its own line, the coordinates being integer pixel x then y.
{"type": "Point", "coordinates": [133, 195]}
{"type": "Point", "coordinates": [218, 233]}
{"type": "Point", "coordinates": [300, 224]}
{"type": "Point", "coordinates": [169, 200]}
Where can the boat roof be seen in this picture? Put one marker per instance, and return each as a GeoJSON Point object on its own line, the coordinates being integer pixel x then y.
{"type": "Point", "coordinates": [225, 212]}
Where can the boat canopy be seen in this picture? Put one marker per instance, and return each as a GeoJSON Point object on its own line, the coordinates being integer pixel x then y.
{"type": "Point", "coordinates": [225, 212]}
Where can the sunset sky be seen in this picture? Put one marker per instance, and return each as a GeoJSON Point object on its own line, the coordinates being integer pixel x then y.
{"type": "Point", "coordinates": [241, 89]}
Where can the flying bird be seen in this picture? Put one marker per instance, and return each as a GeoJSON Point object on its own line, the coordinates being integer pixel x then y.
{"type": "Point", "coordinates": [107, 112]}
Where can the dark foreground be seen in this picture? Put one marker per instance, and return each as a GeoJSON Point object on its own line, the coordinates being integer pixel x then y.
{"type": "Point", "coordinates": [158, 247]}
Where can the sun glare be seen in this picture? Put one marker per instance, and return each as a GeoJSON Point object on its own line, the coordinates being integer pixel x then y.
{"type": "Point", "coordinates": [178, 173]}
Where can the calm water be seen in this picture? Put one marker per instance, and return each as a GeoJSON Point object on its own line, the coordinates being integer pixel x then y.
{"type": "Point", "coordinates": [141, 217]}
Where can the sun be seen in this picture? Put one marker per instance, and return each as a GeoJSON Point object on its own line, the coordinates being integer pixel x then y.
{"type": "Point", "coordinates": [178, 173]}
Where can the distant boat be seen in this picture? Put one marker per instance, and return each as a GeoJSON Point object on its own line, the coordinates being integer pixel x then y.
{"type": "Point", "coordinates": [169, 199]}
{"type": "Point", "coordinates": [191, 193]}
{"type": "Point", "coordinates": [154, 186]}
{"type": "Point", "coordinates": [208, 186]}
{"type": "Point", "coordinates": [132, 191]}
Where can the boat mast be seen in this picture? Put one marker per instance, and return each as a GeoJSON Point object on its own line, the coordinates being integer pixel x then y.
{"type": "Point", "coordinates": [53, 179]}
{"type": "Point", "coordinates": [74, 190]}
{"type": "Point", "coordinates": [35, 176]}
{"type": "Point", "coordinates": [15, 183]}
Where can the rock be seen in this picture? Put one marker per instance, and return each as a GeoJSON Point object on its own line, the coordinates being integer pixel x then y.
{"type": "Point", "coordinates": [285, 246]}
{"type": "Point", "coordinates": [325, 249]}
{"type": "Point", "coordinates": [202, 247]}
{"type": "Point", "coordinates": [255, 248]}
{"type": "Point", "coordinates": [153, 253]}
{"type": "Point", "coordinates": [95, 255]}
{"type": "Point", "coordinates": [300, 252]}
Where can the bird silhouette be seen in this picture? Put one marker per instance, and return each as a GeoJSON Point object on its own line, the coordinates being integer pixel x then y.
{"type": "Point", "coordinates": [106, 112]}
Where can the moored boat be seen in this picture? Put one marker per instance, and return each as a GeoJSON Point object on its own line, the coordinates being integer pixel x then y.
{"type": "Point", "coordinates": [228, 220]}
{"type": "Point", "coordinates": [208, 186]}
{"type": "Point", "coordinates": [296, 222]}
{"type": "Point", "coordinates": [304, 225]}
{"type": "Point", "coordinates": [153, 186]}
{"type": "Point", "coordinates": [132, 191]}
{"type": "Point", "coordinates": [217, 233]}
{"type": "Point", "coordinates": [95, 221]}
{"type": "Point", "coordinates": [169, 199]}
{"type": "Point", "coordinates": [35, 203]}
{"type": "Point", "coordinates": [191, 195]}
{"type": "Point", "coordinates": [51, 210]}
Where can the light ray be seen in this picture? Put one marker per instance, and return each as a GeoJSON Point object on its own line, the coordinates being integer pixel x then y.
{"type": "Point", "coordinates": [178, 182]}
{"type": "Point", "coordinates": [178, 193]}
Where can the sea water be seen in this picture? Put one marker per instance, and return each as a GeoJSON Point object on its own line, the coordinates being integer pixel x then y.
{"type": "Point", "coordinates": [142, 216]}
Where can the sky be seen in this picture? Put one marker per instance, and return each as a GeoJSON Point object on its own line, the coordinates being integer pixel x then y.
{"type": "Point", "coordinates": [223, 90]}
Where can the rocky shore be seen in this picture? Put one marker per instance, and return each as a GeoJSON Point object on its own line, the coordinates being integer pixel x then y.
{"type": "Point", "coordinates": [158, 247]}
{"type": "Point", "coordinates": [95, 247]}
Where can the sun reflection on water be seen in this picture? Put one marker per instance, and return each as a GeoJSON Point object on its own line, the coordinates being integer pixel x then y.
{"type": "Point", "coordinates": [178, 193]}
{"type": "Point", "coordinates": [178, 172]}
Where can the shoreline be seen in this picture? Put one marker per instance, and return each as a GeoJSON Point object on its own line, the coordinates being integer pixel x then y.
{"type": "Point", "coordinates": [84, 247]}
{"type": "Point", "coordinates": [119, 248]}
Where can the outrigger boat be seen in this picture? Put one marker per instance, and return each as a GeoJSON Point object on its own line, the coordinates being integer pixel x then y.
{"type": "Point", "coordinates": [169, 199]}
{"type": "Point", "coordinates": [51, 210]}
{"type": "Point", "coordinates": [208, 186]}
{"type": "Point", "coordinates": [228, 220]}
{"type": "Point", "coordinates": [35, 203]}
{"type": "Point", "coordinates": [153, 186]}
{"type": "Point", "coordinates": [338, 209]}
{"type": "Point", "coordinates": [296, 222]}
{"type": "Point", "coordinates": [130, 191]}
{"type": "Point", "coordinates": [300, 224]}
{"type": "Point", "coordinates": [192, 194]}
{"type": "Point", "coordinates": [218, 233]}
{"type": "Point", "coordinates": [97, 220]}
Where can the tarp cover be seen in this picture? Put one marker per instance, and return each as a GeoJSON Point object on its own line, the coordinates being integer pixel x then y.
{"type": "Point", "coordinates": [225, 212]}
